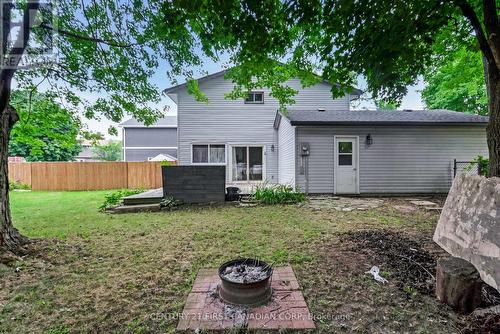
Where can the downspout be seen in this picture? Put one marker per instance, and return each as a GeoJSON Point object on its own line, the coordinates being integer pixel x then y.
{"type": "Point", "coordinates": [306, 172]}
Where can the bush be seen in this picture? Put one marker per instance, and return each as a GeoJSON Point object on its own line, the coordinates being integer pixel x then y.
{"type": "Point", "coordinates": [13, 185]}
{"type": "Point", "coordinates": [167, 163]}
{"type": "Point", "coordinates": [278, 194]}
{"type": "Point", "coordinates": [482, 163]}
{"type": "Point", "coordinates": [115, 197]}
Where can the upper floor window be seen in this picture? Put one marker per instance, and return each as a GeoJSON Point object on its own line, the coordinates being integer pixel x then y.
{"type": "Point", "coordinates": [255, 97]}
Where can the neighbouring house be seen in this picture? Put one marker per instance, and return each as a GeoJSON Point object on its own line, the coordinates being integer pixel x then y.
{"type": "Point", "coordinates": [321, 146]}
{"type": "Point", "coordinates": [146, 143]}
{"type": "Point", "coordinates": [163, 157]}
{"type": "Point", "coordinates": [86, 154]}
{"type": "Point", "coordinates": [16, 159]}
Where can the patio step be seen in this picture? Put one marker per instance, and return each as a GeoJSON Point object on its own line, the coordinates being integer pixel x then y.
{"type": "Point", "coordinates": [136, 208]}
{"type": "Point", "coordinates": [153, 196]}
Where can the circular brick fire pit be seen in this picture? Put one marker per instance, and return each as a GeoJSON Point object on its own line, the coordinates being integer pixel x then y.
{"type": "Point", "coordinates": [245, 282]}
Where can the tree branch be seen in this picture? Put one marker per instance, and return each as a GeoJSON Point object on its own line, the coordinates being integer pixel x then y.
{"type": "Point", "coordinates": [492, 27]}
{"type": "Point", "coordinates": [6, 15]}
{"type": "Point", "coordinates": [94, 35]}
{"type": "Point", "coordinates": [16, 53]}
{"type": "Point", "coordinates": [87, 38]}
{"type": "Point", "coordinates": [30, 97]}
{"type": "Point", "coordinates": [471, 15]}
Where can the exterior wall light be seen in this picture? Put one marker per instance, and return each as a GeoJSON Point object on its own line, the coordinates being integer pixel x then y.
{"type": "Point", "coordinates": [369, 140]}
{"type": "Point", "coordinates": [272, 148]}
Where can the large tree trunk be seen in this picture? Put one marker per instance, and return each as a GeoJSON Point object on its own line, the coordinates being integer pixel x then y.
{"type": "Point", "coordinates": [11, 241]}
{"type": "Point", "coordinates": [493, 129]}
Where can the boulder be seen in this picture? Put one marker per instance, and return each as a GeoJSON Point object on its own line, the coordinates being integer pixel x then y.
{"type": "Point", "coordinates": [469, 225]}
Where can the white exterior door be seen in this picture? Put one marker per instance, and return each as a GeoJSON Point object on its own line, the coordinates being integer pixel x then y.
{"type": "Point", "coordinates": [346, 165]}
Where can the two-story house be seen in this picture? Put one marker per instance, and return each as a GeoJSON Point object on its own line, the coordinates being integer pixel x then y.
{"type": "Point", "coordinates": [157, 141]}
{"type": "Point", "coordinates": [321, 145]}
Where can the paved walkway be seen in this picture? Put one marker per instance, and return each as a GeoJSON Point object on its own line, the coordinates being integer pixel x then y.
{"type": "Point", "coordinates": [343, 203]}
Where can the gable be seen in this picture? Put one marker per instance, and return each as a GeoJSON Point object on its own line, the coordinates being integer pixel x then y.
{"type": "Point", "coordinates": [216, 87]}
{"type": "Point", "coordinates": [175, 89]}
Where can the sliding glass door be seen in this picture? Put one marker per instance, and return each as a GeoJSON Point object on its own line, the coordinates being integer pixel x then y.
{"type": "Point", "coordinates": [247, 163]}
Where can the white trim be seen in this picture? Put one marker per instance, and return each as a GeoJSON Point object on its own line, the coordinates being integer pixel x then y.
{"type": "Point", "coordinates": [148, 127]}
{"type": "Point", "coordinates": [149, 147]}
{"type": "Point", "coordinates": [207, 163]}
{"type": "Point", "coordinates": [264, 163]}
{"type": "Point", "coordinates": [123, 146]}
{"type": "Point", "coordinates": [335, 157]}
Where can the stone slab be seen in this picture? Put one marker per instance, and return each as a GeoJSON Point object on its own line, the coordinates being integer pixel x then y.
{"type": "Point", "coordinates": [423, 203]}
{"type": "Point", "coordinates": [205, 310]}
{"type": "Point", "coordinates": [469, 225]}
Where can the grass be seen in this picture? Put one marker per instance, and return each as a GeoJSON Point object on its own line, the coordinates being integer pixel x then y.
{"type": "Point", "coordinates": [96, 272]}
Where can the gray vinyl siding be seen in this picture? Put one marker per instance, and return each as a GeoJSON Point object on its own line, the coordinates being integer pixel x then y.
{"type": "Point", "coordinates": [286, 152]}
{"type": "Point", "coordinates": [234, 122]}
{"type": "Point", "coordinates": [150, 137]}
{"type": "Point", "coordinates": [131, 154]}
{"type": "Point", "coordinates": [402, 159]}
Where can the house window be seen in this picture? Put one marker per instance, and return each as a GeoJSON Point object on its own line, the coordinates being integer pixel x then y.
{"type": "Point", "coordinates": [255, 97]}
{"type": "Point", "coordinates": [247, 163]}
{"type": "Point", "coordinates": [345, 153]}
{"type": "Point", "coordinates": [209, 154]}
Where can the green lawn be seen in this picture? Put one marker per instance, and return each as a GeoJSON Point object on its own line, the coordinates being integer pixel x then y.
{"type": "Point", "coordinates": [96, 272]}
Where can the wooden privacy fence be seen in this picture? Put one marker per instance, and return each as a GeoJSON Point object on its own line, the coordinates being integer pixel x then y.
{"type": "Point", "coordinates": [57, 176]}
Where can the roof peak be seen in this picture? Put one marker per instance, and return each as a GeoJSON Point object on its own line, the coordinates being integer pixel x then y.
{"type": "Point", "coordinates": [173, 89]}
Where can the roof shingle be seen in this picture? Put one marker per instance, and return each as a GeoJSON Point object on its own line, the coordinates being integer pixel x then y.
{"type": "Point", "coordinates": [382, 117]}
{"type": "Point", "coordinates": [166, 121]}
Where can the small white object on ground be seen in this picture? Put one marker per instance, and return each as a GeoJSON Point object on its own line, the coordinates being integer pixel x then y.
{"type": "Point", "coordinates": [375, 272]}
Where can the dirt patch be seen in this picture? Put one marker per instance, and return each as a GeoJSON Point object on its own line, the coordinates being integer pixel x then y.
{"type": "Point", "coordinates": [409, 263]}
{"type": "Point", "coordinates": [347, 299]}
{"type": "Point", "coordinates": [488, 324]}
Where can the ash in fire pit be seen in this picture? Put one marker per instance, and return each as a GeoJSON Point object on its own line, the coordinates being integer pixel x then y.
{"type": "Point", "coordinates": [245, 273]}
{"type": "Point", "coordinates": [245, 281]}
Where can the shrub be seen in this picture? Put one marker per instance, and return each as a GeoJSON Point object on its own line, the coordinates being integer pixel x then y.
{"type": "Point", "coordinates": [482, 163]}
{"type": "Point", "coordinates": [115, 197]}
{"type": "Point", "coordinates": [13, 185]}
{"type": "Point", "coordinates": [170, 202]}
{"type": "Point", "coordinates": [277, 194]}
{"type": "Point", "coordinates": [167, 163]}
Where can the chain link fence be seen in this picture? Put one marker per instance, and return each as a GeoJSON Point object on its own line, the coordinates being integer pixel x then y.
{"type": "Point", "coordinates": [466, 167]}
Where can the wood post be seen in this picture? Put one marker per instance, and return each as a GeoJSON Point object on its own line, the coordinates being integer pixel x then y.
{"type": "Point", "coordinates": [458, 284]}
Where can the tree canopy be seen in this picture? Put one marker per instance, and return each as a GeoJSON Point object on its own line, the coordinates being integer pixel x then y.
{"type": "Point", "coordinates": [46, 131]}
{"type": "Point", "coordinates": [457, 84]}
{"type": "Point", "coordinates": [111, 151]}
{"type": "Point", "coordinates": [455, 78]}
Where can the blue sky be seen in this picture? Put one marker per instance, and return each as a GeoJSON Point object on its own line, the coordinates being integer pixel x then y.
{"type": "Point", "coordinates": [411, 101]}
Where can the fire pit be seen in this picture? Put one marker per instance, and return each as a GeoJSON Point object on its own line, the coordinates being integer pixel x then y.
{"type": "Point", "coordinates": [245, 282]}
